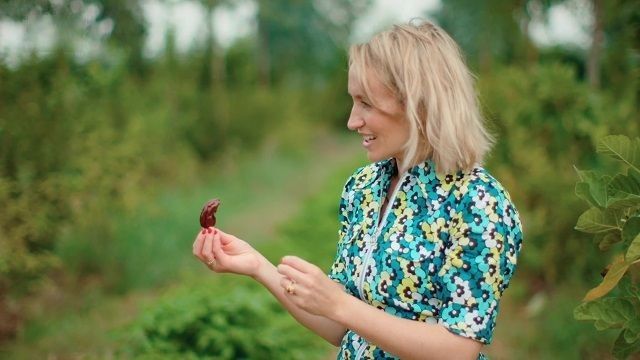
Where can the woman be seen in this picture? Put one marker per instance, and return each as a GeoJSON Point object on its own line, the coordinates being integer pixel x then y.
{"type": "Point", "coordinates": [428, 240]}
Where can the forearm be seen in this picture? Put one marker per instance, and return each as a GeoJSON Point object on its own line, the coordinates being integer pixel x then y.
{"type": "Point", "coordinates": [328, 329]}
{"type": "Point", "coordinates": [407, 339]}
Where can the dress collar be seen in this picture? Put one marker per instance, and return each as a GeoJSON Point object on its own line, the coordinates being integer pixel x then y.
{"type": "Point", "coordinates": [385, 169]}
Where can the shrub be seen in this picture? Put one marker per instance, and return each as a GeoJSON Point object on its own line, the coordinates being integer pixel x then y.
{"type": "Point", "coordinates": [242, 323]}
{"type": "Point", "coordinates": [614, 219]}
{"type": "Point", "coordinates": [546, 120]}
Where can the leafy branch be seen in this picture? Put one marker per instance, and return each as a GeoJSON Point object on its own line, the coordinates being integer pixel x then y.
{"type": "Point", "coordinates": [614, 220]}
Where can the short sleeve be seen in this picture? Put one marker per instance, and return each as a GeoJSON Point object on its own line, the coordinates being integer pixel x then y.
{"type": "Point", "coordinates": [337, 270]}
{"type": "Point", "coordinates": [485, 237]}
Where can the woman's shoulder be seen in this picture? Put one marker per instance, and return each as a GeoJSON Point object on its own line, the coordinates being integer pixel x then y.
{"type": "Point", "coordinates": [478, 182]}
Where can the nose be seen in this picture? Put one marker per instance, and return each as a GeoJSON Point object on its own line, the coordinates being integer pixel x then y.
{"type": "Point", "coordinates": [355, 120]}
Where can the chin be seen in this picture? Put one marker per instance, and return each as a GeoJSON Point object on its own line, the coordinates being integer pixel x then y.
{"type": "Point", "coordinates": [375, 157]}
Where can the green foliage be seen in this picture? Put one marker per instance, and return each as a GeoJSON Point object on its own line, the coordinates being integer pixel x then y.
{"type": "Point", "coordinates": [546, 120]}
{"type": "Point", "coordinates": [298, 40]}
{"type": "Point", "coordinates": [219, 322]}
{"type": "Point", "coordinates": [614, 220]}
{"type": "Point", "coordinates": [83, 145]}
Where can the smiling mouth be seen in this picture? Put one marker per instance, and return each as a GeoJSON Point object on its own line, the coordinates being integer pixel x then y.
{"type": "Point", "coordinates": [367, 140]}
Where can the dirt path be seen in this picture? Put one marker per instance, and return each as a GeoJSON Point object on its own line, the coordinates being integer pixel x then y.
{"type": "Point", "coordinates": [287, 197]}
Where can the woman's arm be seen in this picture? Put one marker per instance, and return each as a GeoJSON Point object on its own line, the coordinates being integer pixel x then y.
{"type": "Point", "coordinates": [408, 339]}
{"type": "Point", "coordinates": [234, 255]}
{"type": "Point", "coordinates": [330, 330]}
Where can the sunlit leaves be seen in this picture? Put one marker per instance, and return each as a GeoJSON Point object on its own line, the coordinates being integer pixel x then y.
{"type": "Point", "coordinates": [622, 148]}
{"type": "Point", "coordinates": [596, 221]}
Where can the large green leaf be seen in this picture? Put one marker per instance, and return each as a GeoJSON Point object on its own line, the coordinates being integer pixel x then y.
{"type": "Point", "coordinates": [623, 202]}
{"type": "Point", "coordinates": [596, 221]}
{"type": "Point", "coordinates": [626, 184]}
{"type": "Point", "coordinates": [593, 188]}
{"type": "Point", "coordinates": [617, 269]}
{"type": "Point", "coordinates": [583, 192]}
{"type": "Point", "coordinates": [624, 190]}
{"type": "Point", "coordinates": [622, 148]}
{"type": "Point", "coordinates": [633, 253]}
{"type": "Point", "coordinates": [609, 312]}
{"type": "Point", "coordinates": [608, 240]}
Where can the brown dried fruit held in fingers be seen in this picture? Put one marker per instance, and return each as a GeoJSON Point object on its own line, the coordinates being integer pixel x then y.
{"type": "Point", "coordinates": [208, 213]}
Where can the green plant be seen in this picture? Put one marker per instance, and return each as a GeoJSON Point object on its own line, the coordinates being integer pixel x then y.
{"type": "Point", "coordinates": [614, 219]}
{"type": "Point", "coordinates": [225, 321]}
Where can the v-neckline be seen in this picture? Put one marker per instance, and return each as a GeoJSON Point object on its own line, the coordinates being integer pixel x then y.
{"type": "Point", "coordinates": [393, 184]}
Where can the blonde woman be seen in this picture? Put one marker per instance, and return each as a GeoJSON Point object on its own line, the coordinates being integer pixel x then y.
{"type": "Point", "coordinates": [428, 240]}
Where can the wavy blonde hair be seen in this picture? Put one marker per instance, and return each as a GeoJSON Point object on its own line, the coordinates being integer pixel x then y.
{"type": "Point", "coordinates": [424, 68]}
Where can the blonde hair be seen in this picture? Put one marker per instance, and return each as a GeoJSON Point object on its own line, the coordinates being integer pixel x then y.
{"type": "Point", "coordinates": [424, 68]}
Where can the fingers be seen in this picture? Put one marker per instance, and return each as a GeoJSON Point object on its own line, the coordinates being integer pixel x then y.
{"type": "Point", "coordinates": [207, 253]}
{"type": "Point", "coordinates": [197, 245]}
{"type": "Point", "coordinates": [290, 277]}
{"type": "Point", "coordinates": [217, 252]}
{"type": "Point", "coordinates": [298, 264]}
{"type": "Point", "coordinates": [290, 273]}
{"type": "Point", "coordinates": [288, 285]}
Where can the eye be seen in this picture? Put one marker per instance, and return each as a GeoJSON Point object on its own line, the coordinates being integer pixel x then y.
{"type": "Point", "coordinates": [365, 103]}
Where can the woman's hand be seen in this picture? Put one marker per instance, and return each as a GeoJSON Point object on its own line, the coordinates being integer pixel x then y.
{"type": "Point", "coordinates": [307, 286]}
{"type": "Point", "coordinates": [225, 253]}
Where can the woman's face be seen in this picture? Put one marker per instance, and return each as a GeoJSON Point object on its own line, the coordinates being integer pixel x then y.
{"type": "Point", "coordinates": [383, 126]}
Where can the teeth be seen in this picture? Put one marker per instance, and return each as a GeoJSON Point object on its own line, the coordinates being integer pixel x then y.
{"type": "Point", "coordinates": [369, 138]}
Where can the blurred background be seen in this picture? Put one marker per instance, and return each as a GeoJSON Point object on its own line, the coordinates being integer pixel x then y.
{"type": "Point", "coordinates": [119, 119]}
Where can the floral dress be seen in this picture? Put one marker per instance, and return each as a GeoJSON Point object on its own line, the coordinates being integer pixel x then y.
{"type": "Point", "coordinates": [443, 252]}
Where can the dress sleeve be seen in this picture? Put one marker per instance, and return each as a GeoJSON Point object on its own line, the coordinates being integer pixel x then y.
{"type": "Point", "coordinates": [337, 270]}
{"type": "Point", "coordinates": [485, 237]}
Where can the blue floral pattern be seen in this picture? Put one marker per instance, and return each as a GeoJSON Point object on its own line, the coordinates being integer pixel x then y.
{"type": "Point", "coordinates": [444, 253]}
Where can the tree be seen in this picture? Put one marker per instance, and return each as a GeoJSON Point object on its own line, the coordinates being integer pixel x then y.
{"type": "Point", "coordinates": [302, 37]}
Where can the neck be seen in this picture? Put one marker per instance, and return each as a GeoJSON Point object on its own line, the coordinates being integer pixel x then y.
{"type": "Point", "coordinates": [399, 168]}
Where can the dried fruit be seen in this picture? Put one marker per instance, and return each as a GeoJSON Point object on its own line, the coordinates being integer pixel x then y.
{"type": "Point", "coordinates": [208, 213]}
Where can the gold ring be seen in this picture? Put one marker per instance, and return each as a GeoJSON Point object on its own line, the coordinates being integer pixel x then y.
{"type": "Point", "coordinates": [211, 262]}
{"type": "Point", "coordinates": [290, 288]}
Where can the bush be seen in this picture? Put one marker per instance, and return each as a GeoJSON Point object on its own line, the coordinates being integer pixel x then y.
{"type": "Point", "coordinates": [546, 121]}
{"type": "Point", "coordinates": [245, 322]}
{"type": "Point", "coordinates": [614, 219]}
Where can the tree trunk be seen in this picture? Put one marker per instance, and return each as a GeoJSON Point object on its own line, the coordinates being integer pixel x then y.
{"type": "Point", "coordinates": [595, 53]}
{"type": "Point", "coordinates": [263, 56]}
